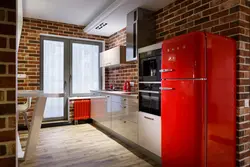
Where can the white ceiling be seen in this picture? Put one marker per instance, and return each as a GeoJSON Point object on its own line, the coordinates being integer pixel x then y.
{"type": "Point", "coordinates": [79, 12]}
{"type": "Point", "coordinates": [90, 13]}
{"type": "Point", "coordinates": [118, 18]}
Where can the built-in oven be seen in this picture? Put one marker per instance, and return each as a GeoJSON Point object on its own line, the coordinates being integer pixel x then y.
{"type": "Point", "coordinates": [150, 65]}
{"type": "Point", "coordinates": [150, 97]}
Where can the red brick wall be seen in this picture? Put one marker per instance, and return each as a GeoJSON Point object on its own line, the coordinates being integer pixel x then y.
{"type": "Point", "coordinates": [29, 50]}
{"type": "Point", "coordinates": [7, 83]}
{"type": "Point", "coordinates": [228, 18]}
{"type": "Point", "coordinates": [225, 17]}
{"type": "Point", "coordinates": [118, 75]}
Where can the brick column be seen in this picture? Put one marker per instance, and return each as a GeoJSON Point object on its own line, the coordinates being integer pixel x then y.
{"type": "Point", "coordinates": [7, 83]}
{"type": "Point", "coordinates": [243, 84]}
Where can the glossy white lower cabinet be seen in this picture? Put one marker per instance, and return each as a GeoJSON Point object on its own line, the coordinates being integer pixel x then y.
{"type": "Point", "coordinates": [117, 113]}
{"type": "Point", "coordinates": [101, 111]}
{"type": "Point", "coordinates": [124, 120]}
{"type": "Point", "coordinates": [149, 132]}
{"type": "Point", "coordinates": [125, 128]}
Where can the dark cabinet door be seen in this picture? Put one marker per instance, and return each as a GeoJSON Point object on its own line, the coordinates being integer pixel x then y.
{"type": "Point", "coordinates": [131, 50]}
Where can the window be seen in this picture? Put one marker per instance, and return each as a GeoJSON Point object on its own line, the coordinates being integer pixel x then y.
{"type": "Point", "coordinates": [85, 68]}
{"type": "Point", "coordinates": [70, 66]}
{"type": "Point", "coordinates": [53, 77]}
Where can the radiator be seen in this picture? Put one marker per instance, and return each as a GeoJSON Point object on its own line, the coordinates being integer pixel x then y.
{"type": "Point", "coordinates": [82, 110]}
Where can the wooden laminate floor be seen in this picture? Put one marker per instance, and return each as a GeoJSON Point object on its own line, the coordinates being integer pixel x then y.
{"type": "Point", "coordinates": [81, 146]}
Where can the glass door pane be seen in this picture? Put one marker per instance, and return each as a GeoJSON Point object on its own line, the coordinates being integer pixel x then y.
{"type": "Point", "coordinates": [85, 68]}
{"type": "Point", "coordinates": [53, 77]}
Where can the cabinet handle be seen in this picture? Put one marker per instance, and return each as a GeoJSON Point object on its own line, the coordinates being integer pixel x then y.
{"type": "Point", "coordinates": [149, 118]}
{"type": "Point", "coordinates": [123, 106]}
{"type": "Point", "coordinates": [107, 96]}
{"type": "Point", "coordinates": [124, 99]}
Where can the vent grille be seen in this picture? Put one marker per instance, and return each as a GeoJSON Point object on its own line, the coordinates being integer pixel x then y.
{"type": "Point", "coordinates": [100, 26]}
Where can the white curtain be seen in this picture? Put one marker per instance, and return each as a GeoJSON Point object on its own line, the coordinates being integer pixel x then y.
{"type": "Point", "coordinates": [53, 77]}
{"type": "Point", "coordinates": [85, 68]}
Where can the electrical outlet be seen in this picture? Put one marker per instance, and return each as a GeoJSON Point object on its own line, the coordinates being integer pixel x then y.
{"type": "Point", "coordinates": [246, 102]}
{"type": "Point", "coordinates": [132, 84]}
{"type": "Point", "coordinates": [21, 76]}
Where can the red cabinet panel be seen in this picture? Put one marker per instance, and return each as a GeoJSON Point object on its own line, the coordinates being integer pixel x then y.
{"type": "Point", "coordinates": [221, 101]}
{"type": "Point", "coordinates": [183, 135]}
{"type": "Point", "coordinates": [184, 56]}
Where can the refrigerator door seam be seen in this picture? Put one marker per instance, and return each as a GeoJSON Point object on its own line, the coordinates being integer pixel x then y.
{"type": "Point", "coordinates": [205, 99]}
{"type": "Point", "coordinates": [196, 79]}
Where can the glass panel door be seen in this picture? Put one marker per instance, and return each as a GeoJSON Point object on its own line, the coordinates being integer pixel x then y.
{"type": "Point", "coordinates": [68, 66]}
{"type": "Point", "coordinates": [85, 67]}
{"type": "Point", "coordinates": [53, 76]}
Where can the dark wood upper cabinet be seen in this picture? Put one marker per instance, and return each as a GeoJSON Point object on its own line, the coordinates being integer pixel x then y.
{"type": "Point", "coordinates": [140, 31]}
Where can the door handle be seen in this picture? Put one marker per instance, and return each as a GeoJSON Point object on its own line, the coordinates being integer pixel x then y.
{"type": "Point", "coordinates": [123, 106]}
{"type": "Point", "coordinates": [162, 88]}
{"type": "Point", "coordinates": [149, 118]}
{"type": "Point", "coordinates": [166, 70]}
{"type": "Point", "coordinates": [144, 91]}
{"type": "Point", "coordinates": [65, 85]}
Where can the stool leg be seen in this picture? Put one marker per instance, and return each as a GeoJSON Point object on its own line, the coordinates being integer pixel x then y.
{"type": "Point", "coordinates": [26, 120]}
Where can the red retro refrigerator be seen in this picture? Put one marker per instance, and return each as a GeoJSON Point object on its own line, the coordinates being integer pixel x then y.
{"type": "Point", "coordinates": [198, 108]}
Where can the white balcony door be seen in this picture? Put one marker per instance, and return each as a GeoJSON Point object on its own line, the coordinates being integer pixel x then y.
{"type": "Point", "coordinates": [54, 76]}
{"type": "Point", "coordinates": [71, 67]}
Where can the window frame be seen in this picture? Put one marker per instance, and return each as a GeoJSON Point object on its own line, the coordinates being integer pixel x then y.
{"type": "Point", "coordinates": [68, 41]}
{"type": "Point", "coordinates": [66, 75]}
{"type": "Point", "coordinates": [71, 42]}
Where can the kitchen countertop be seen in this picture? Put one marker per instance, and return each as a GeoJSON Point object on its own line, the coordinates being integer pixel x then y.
{"type": "Point", "coordinates": [118, 93]}
{"type": "Point", "coordinates": [84, 97]}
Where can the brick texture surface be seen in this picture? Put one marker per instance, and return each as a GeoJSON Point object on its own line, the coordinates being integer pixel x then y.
{"type": "Point", "coordinates": [225, 17]}
{"type": "Point", "coordinates": [29, 52]}
{"type": "Point", "coordinates": [118, 75]}
{"type": "Point", "coordinates": [7, 82]}
{"type": "Point", "coordinates": [228, 18]}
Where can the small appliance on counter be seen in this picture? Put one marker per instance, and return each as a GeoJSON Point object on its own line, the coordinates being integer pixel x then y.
{"type": "Point", "coordinates": [126, 86]}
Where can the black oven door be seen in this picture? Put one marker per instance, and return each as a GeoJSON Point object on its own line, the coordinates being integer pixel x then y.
{"type": "Point", "coordinates": [155, 104]}
{"type": "Point", "coordinates": [149, 66]}
{"type": "Point", "coordinates": [150, 102]}
{"type": "Point", "coordinates": [144, 102]}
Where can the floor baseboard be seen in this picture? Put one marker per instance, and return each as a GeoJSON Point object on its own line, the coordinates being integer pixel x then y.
{"type": "Point", "coordinates": [56, 123]}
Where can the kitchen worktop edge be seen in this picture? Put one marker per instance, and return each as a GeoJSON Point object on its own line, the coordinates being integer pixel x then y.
{"type": "Point", "coordinates": [125, 94]}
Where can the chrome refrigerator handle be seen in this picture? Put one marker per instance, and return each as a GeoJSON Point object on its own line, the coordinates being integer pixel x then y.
{"type": "Point", "coordinates": [166, 70]}
{"type": "Point", "coordinates": [162, 88]}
